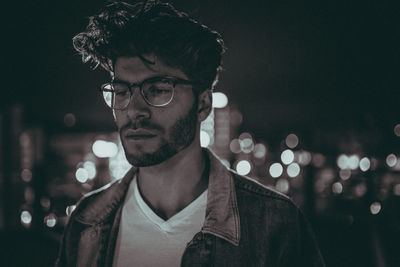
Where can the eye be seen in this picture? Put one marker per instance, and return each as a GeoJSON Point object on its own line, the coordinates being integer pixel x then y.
{"type": "Point", "coordinates": [159, 90]}
{"type": "Point", "coordinates": [120, 89]}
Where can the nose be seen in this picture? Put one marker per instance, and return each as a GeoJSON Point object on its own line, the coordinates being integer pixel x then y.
{"type": "Point", "coordinates": [137, 107]}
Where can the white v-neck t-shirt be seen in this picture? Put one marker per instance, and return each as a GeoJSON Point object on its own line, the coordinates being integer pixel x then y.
{"type": "Point", "coordinates": [145, 239]}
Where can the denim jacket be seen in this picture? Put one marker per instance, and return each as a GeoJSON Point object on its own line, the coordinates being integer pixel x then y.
{"type": "Point", "coordinates": [246, 224]}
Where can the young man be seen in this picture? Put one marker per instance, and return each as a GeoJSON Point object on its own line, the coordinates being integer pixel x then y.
{"type": "Point", "coordinates": [179, 205]}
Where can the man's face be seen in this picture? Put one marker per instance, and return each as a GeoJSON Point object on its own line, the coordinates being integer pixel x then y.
{"type": "Point", "coordinates": [150, 135]}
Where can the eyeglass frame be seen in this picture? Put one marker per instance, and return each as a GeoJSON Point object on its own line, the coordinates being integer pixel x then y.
{"type": "Point", "coordinates": [175, 80]}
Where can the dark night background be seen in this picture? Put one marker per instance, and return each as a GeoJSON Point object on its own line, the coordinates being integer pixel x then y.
{"type": "Point", "coordinates": [327, 70]}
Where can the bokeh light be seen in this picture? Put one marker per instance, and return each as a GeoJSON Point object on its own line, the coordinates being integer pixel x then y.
{"type": "Point", "coordinates": [236, 118]}
{"type": "Point", "coordinates": [69, 119]}
{"type": "Point", "coordinates": [260, 151]}
{"type": "Point", "coordinates": [396, 189]}
{"type": "Point", "coordinates": [282, 185]}
{"type": "Point", "coordinates": [397, 130]}
{"type": "Point", "coordinates": [391, 160]}
{"type": "Point", "coordinates": [292, 140]}
{"type": "Point", "coordinates": [220, 100]}
{"type": "Point", "coordinates": [243, 167]}
{"type": "Point", "coordinates": [304, 158]}
{"type": "Point", "coordinates": [287, 156]}
{"type": "Point", "coordinates": [293, 170]}
{"type": "Point", "coordinates": [246, 145]}
{"type": "Point", "coordinates": [365, 164]}
{"type": "Point", "coordinates": [342, 161]}
{"type": "Point", "coordinates": [337, 188]}
{"type": "Point", "coordinates": [360, 189]}
{"type": "Point", "coordinates": [26, 175]}
{"type": "Point", "coordinates": [318, 160]}
{"type": "Point", "coordinates": [45, 203]}
{"type": "Point", "coordinates": [50, 220]}
{"type": "Point", "coordinates": [375, 208]}
{"type": "Point", "coordinates": [90, 167]}
{"type": "Point", "coordinates": [345, 174]}
{"type": "Point", "coordinates": [353, 162]}
{"type": "Point", "coordinates": [235, 146]}
{"type": "Point", "coordinates": [104, 149]}
{"type": "Point", "coordinates": [276, 170]}
{"type": "Point", "coordinates": [205, 139]}
{"type": "Point", "coordinates": [81, 175]}
{"type": "Point", "coordinates": [26, 218]}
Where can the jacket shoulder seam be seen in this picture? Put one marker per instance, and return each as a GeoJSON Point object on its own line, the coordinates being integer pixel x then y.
{"type": "Point", "coordinates": [250, 185]}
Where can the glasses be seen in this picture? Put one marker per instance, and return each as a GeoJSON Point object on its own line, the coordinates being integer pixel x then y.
{"type": "Point", "coordinates": [156, 91]}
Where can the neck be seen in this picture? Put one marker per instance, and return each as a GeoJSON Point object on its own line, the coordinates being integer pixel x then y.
{"type": "Point", "coordinates": [173, 184]}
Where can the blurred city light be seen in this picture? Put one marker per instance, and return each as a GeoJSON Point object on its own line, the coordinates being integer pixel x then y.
{"type": "Point", "coordinates": [50, 220]}
{"type": "Point", "coordinates": [360, 189]}
{"type": "Point", "coordinates": [260, 151]}
{"type": "Point", "coordinates": [69, 119]}
{"type": "Point", "coordinates": [348, 162]}
{"type": "Point", "coordinates": [391, 160]}
{"type": "Point", "coordinates": [292, 140]}
{"type": "Point", "coordinates": [293, 170]}
{"type": "Point", "coordinates": [81, 175]}
{"type": "Point", "coordinates": [45, 203]}
{"type": "Point", "coordinates": [337, 188]}
{"type": "Point", "coordinates": [236, 117]}
{"type": "Point", "coordinates": [220, 100]}
{"type": "Point", "coordinates": [318, 160]}
{"type": "Point", "coordinates": [235, 146]}
{"type": "Point", "coordinates": [90, 167]}
{"type": "Point", "coordinates": [396, 189]}
{"type": "Point", "coordinates": [243, 167]}
{"type": "Point", "coordinates": [342, 161]}
{"type": "Point", "coordinates": [282, 185]}
{"type": "Point", "coordinates": [246, 145]}
{"type": "Point", "coordinates": [345, 174]}
{"type": "Point", "coordinates": [365, 164]}
{"type": "Point", "coordinates": [24, 139]}
{"type": "Point", "coordinates": [275, 170]}
{"type": "Point", "coordinates": [375, 208]}
{"type": "Point", "coordinates": [303, 157]}
{"type": "Point", "coordinates": [204, 139]}
{"type": "Point", "coordinates": [353, 162]}
{"type": "Point", "coordinates": [26, 218]}
{"type": "Point", "coordinates": [397, 130]}
{"type": "Point", "coordinates": [287, 156]}
{"type": "Point", "coordinates": [104, 149]}
{"type": "Point", "coordinates": [29, 195]}
{"type": "Point", "coordinates": [70, 209]}
{"type": "Point", "coordinates": [26, 175]}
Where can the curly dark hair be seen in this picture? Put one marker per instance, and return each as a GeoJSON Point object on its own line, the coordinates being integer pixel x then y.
{"type": "Point", "coordinates": [152, 27]}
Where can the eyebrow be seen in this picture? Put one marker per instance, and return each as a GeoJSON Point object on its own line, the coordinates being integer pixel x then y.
{"type": "Point", "coordinates": [116, 80]}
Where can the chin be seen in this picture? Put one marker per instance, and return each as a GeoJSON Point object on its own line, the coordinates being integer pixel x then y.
{"type": "Point", "coordinates": [145, 159]}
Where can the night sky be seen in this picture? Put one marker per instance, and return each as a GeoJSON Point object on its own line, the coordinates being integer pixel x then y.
{"type": "Point", "coordinates": [290, 66]}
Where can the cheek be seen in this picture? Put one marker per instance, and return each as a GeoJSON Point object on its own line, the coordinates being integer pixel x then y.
{"type": "Point", "coordinates": [120, 118]}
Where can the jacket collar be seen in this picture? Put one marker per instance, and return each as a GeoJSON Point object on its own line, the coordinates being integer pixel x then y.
{"type": "Point", "coordinates": [96, 206]}
{"type": "Point", "coordinates": [222, 215]}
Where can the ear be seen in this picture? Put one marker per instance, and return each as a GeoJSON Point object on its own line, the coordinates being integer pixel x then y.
{"type": "Point", "coordinates": [204, 105]}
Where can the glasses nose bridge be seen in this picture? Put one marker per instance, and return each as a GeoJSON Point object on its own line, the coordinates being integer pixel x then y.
{"type": "Point", "coordinates": [132, 88]}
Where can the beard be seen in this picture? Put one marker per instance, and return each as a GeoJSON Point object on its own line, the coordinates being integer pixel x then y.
{"type": "Point", "coordinates": [181, 134]}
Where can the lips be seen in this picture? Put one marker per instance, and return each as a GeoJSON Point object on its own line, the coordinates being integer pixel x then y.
{"type": "Point", "coordinates": [139, 134]}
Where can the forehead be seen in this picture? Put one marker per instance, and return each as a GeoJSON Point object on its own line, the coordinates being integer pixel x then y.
{"type": "Point", "coordinates": [133, 69]}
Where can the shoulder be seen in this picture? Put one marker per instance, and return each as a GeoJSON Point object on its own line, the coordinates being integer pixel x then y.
{"type": "Point", "coordinates": [252, 193]}
{"type": "Point", "coordinates": [97, 205]}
